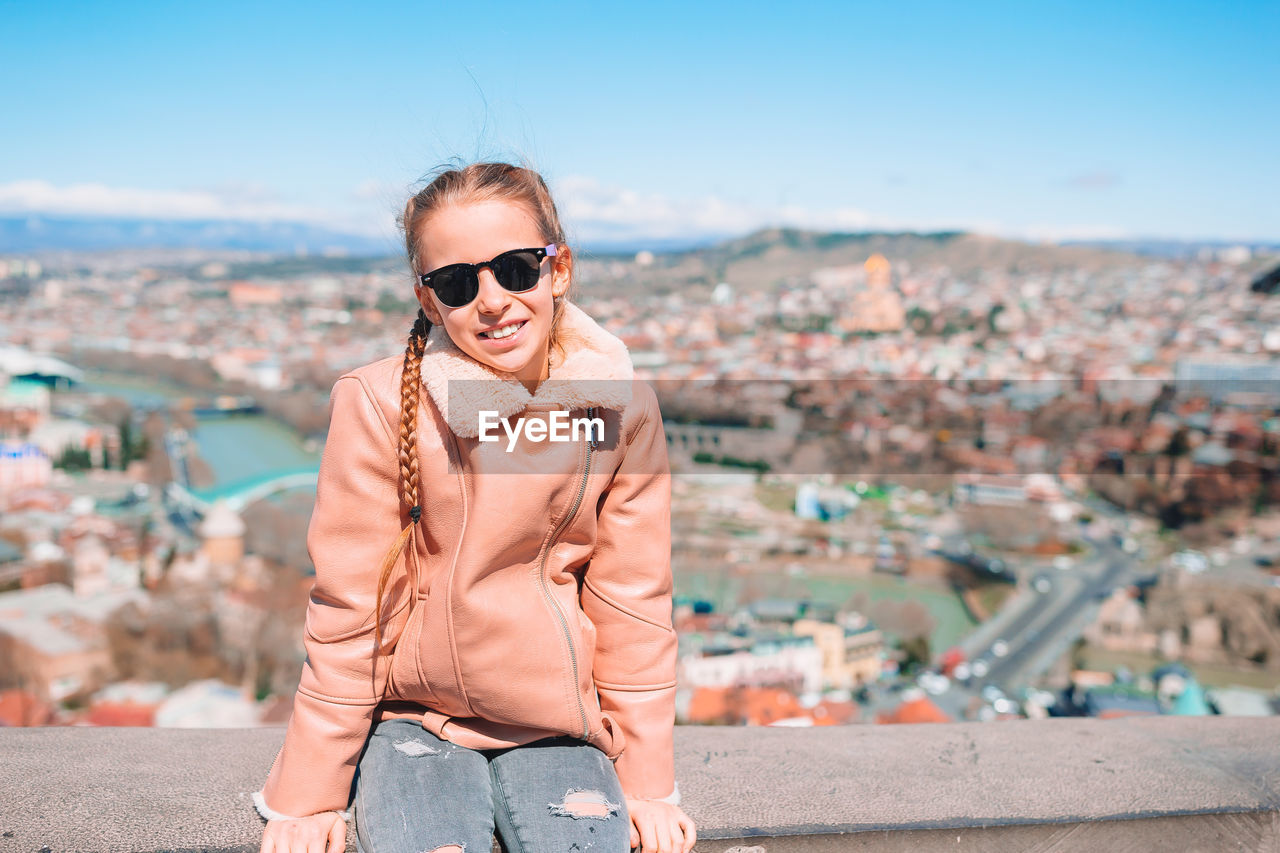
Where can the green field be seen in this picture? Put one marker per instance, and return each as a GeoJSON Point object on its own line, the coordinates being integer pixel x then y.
{"type": "Point", "coordinates": [1207, 674]}
{"type": "Point", "coordinates": [726, 590]}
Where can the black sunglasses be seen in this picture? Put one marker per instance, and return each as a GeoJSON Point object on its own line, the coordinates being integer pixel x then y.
{"type": "Point", "coordinates": [517, 271]}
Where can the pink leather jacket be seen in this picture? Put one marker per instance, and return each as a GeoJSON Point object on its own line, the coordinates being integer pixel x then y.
{"type": "Point", "coordinates": [542, 574]}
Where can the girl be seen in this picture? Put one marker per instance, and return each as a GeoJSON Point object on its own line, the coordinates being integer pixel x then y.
{"type": "Point", "coordinates": [509, 664]}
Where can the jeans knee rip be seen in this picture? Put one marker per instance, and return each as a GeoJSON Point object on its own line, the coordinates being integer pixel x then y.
{"type": "Point", "coordinates": [415, 747]}
{"type": "Point", "coordinates": [582, 803]}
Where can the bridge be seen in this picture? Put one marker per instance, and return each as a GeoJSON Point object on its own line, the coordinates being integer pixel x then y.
{"type": "Point", "coordinates": [224, 404]}
{"type": "Point", "coordinates": [16, 361]}
{"type": "Point", "coordinates": [240, 494]}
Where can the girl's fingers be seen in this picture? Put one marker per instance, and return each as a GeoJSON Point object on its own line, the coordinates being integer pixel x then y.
{"type": "Point", "coordinates": [690, 833]}
{"type": "Point", "coordinates": [268, 843]}
{"type": "Point", "coordinates": [338, 836]}
{"type": "Point", "coordinates": [648, 836]}
{"type": "Point", "coordinates": [664, 837]}
{"type": "Point", "coordinates": [677, 837]}
{"type": "Point", "coordinates": [635, 837]}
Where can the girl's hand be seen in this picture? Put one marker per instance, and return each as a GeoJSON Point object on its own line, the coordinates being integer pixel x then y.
{"type": "Point", "coordinates": [318, 833]}
{"type": "Point", "coordinates": [662, 827]}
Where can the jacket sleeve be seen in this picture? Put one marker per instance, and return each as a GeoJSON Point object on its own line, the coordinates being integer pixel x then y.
{"type": "Point", "coordinates": [356, 520]}
{"type": "Point", "coordinates": [626, 593]}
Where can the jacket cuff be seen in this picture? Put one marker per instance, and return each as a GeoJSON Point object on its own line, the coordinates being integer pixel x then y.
{"type": "Point", "coordinates": [646, 718]}
{"type": "Point", "coordinates": [260, 803]}
{"type": "Point", "coordinates": [673, 798]}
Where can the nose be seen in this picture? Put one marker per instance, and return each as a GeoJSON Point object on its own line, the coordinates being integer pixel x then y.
{"type": "Point", "coordinates": [493, 297]}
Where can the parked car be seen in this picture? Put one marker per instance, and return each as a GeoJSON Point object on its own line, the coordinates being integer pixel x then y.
{"type": "Point", "coordinates": [1194, 562]}
{"type": "Point", "coordinates": [934, 683]}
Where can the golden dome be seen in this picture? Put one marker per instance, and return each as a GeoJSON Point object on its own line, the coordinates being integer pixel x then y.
{"type": "Point", "coordinates": [877, 264]}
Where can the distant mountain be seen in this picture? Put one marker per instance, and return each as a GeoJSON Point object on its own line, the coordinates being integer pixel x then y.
{"type": "Point", "coordinates": [754, 261]}
{"type": "Point", "coordinates": [763, 258]}
{"type": "Point", "coordinates": [628, 247]}
{"type": "Point", "coordinates": [43, 232]}
{"type": "Point", "coordinates": [1177, 249]}
{"type": "Point", "coordinates": [40, 232]}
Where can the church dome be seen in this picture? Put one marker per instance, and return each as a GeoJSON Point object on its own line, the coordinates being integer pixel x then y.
{"type": "Point", "coordinates": [222, 522]}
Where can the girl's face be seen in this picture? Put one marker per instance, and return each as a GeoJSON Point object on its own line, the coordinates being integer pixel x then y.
{"type": "Point", "coordinates": [475, 232]}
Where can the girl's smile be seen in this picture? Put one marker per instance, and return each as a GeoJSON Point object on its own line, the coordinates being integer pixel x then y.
{"type": "Point", "coordinates": [505, 334]}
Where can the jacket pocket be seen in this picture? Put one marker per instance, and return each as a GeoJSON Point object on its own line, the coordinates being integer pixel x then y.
{"type": "Point", "coordinates": [605, 733]}
{"type": "Point", "coordinates": [405, 679]}
{"type": "Point", "coordinates": [587, 633]}
{"type": "Point", "coordinates": [609, 739]}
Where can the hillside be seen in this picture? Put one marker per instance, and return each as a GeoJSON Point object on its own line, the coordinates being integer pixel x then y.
{"type": "Point", "coordinates": [764, 258]}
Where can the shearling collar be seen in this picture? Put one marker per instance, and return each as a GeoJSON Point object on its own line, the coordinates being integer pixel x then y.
{"type": "Point", "coordinates": [592, 373]}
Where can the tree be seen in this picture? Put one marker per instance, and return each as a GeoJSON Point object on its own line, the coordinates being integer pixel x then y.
{"type": "Point", "coordinates": [1078, 653]}
{"type": "Point", "coordinates": [916, 619]}
{"type": "Point", "coordinates": [74, 459]}
{"type": "Point", "coordinates": [916, 653]}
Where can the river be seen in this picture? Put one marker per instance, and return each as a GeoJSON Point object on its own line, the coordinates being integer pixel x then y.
{"type": "Point", "coordinates": [236, 447]}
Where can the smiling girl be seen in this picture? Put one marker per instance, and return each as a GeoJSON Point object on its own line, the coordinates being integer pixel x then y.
{"type": "Point", "coordinates": [508, 666]}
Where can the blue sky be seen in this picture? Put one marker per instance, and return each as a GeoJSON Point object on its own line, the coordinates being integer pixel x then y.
{"type": "Point", "coordinates": [1040, 120]}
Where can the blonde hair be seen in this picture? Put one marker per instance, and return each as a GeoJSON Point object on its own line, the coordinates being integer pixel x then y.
{"type": "Point", "coordinates": [470, 184]}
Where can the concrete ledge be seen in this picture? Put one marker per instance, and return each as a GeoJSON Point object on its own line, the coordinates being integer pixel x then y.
{"type": "Point", "coordinates": [1209, 783]}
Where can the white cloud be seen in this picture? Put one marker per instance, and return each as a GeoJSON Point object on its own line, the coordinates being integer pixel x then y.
{"type": "Point", "coordinates": [595, 211]}
{"type": "Point", "coordinates": [366, 209]}
{"type": "Point", "coordinates": [598, 211]}
{"type": "Point", "coordinates": [1059, 233]}
{"type": "Point", "coordinates": [228, 201]}
{"type": "Point", "coordinates": [1099, 179]}
{"type": "Point", "coordinates": [381, 191]}
{"type": "Point", "coordinates": [592, 211]}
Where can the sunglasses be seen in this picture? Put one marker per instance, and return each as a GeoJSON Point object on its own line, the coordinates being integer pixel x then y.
{"type": "Point", "coordinates": [518, 270]}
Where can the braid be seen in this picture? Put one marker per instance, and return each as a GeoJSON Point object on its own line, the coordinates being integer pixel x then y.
{"type": "Point", "coordinates": [410, 384]}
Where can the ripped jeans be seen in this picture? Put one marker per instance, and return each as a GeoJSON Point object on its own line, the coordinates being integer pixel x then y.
{"type": "Point", "coordinates": [415, 793]}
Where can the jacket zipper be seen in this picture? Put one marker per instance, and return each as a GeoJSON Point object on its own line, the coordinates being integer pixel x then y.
{"type": "Point", "coordinates": [448, 583]}
{"type": "Point", "coordinates": [542, 576]}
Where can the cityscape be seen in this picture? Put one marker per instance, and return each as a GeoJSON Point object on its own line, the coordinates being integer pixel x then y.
{"type": "Point", "coordinates": [916, 477]}
{"type": "Point", "coordinates": [963, 327]}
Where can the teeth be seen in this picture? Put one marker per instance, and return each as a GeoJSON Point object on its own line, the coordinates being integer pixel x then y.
{"type": "Point", "coordinates": [505, 331]}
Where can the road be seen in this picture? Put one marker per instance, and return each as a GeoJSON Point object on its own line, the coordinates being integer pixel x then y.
{"type": "Point", "coordinates": [1043, 619]}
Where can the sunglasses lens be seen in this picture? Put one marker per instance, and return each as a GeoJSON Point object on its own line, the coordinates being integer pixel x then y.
{"type": "Point", "coordinates": [456, 288]}
{"type": "Point", "coordinates": [518, 271]}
